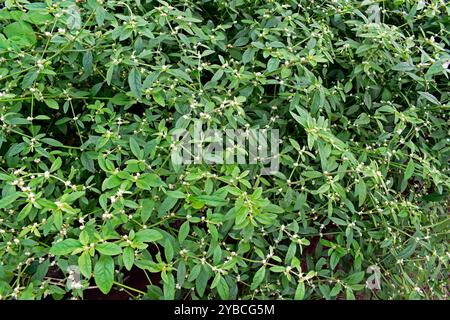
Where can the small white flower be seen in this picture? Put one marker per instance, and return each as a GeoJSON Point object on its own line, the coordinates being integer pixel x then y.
{"type": "Point", "coordinates": [446, 64]}
{"type": "Point", "coordinates": [58, 204]}
{"type": "Point", "coordinates": [106, 216]}
{"type": "Point", "coordinates": [77, 285]}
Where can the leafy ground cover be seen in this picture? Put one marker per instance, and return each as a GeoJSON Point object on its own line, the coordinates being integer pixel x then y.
{"type": "Point", "coordinates": [92, 91]}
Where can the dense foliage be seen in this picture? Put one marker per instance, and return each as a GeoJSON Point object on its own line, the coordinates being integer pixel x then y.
{"type": "Point", "coordinates": [92, 90]}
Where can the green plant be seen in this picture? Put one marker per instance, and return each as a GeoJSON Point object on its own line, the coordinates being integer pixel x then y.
{"type": "Point", "coordinates": [91, 93]}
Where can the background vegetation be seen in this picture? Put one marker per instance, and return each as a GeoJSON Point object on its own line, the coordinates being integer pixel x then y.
{"type": "Point", "coordinates": [91, 92]}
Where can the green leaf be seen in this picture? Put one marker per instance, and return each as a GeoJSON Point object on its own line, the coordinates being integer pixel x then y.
{"type": "Point", "coordinates": [148, 235]}
{"type": "Point", "coordinates": [295, 144]}
{"type": "Point", "coordinates": [361, 191]}
{"type": "Point", "coordinates": [195, 272]}
{"type": "Point", "coordinates": [6, 177]}
{"type": "Point", "coordinates": [355, 278]}
{"type": "Point", "coordinates": [167, 204]}
{"type": "Point", "coordinates": [121, 99]}
{"type": "Point", "coordinates": [211, 200]}
{"type": "Point", "coordinates": [300, 291]}
{"type": "Point", "coordinates": [258, 278]}
{"type": "Point", "coordinates": [58, 219]}
{"type": "Point", "coordinates": [111, 182]}
{"type": "Point", "coordinates": [180, 74]}
{"type": "Point", "coordinates": [277, 269]}
{"type": "Point", "coordinates": [27, 294]}
{"type": "Point", "coordinates": [181, 272]}
{"type": "Point", "coordinates": [200, 282]}
{"type": "Point", "coordinates": [135, 82]}
{"type": "Point", "coordinates": [52, 142]}
{"type": "Point", "coordinates": [29, 79]}
{"type": "Point", "coordinates": [169, 287]}
{"type": "Point", "coordinates": [434, 197]}
{"type": "Point", "coordinates": [216, 280]}
{"type": "Point", "coordinates": [85, 264]}
{"type": "Point", "coordinates": [241, 215]}
{"type": "Point", "coordinates": [20, 33]}
{"type": "Point", "coordinates": [348, 86]}
{"type": "Point", "coordinates": [65, 247]}
{"type": "Point", "coordinates": [184, 231]}
{"type": "Point", "coordinates": [70, 197]}
{"type": "Point", "coordinates": [108, 248]}
{"type": "Point", "coordinates": [24, 212]}
{"type": "Point", "coordinates": [409, 170]}
{"type": "Point", "coordinates": [241, 41]}
{"type": "Point", "coordinates": [100, 14]}
{"type": "Point", "coordinates": [159, 98]}
{"type": "Point", "coordinates": [334, 260]}
{"type": "Point", "coordinates": [10, 198]}
{"type": "Point", "coordinates": [46, 203]}
{"type": "Point", "coordinates": [109, 75]}
{"type": "Point", "coordinates": [168, 250]}
{"type": "Point", "coordinates": [87, 63]}
{"type": "Point", "coordinates": [335, 291]}
{"type": "Point", "coordinates": [408, 250]}
{"type": "Point", "coordinates": [56, 164]}
{"type": "Point", "coordinates": [217, 76]}
{"type": "Point", "coordinates": [223, 289]}
{"type": "Point", "coordinates": [104, 273]}
{"type": "Point", "coordinates": [147, 209]}
{"type": "Point", "coordinates": [248, 56]}
{"type": "Point", "coordinates": [273, 64]}
{"type": "Point", "coordinates": [176, 194]}
{"type": "Point", "coordinates": [128, 258]}
{"type": "Point", "coordinates": [16, 149]}
{"type": "Point", "coordinates": [152, 180]}
{"type": "Point", "coordinates": [141, 184]}
{"type": "Point", "coordinates": [428, 96]}
{"type": "Point", "coordinates": [51, 103]}
{"type": "Point", "coordinates": [135, 148]}
{"type": "Point", "coordinates": [74, 18]}
{"type": "Point", "coordinates": [299, 119]}
{"type": "Point", "coordinates": [38, 17]}
{"type": "Point", "coordinates": [349, 294]}
{"type": "Point", "coordinates": [403, 66]}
